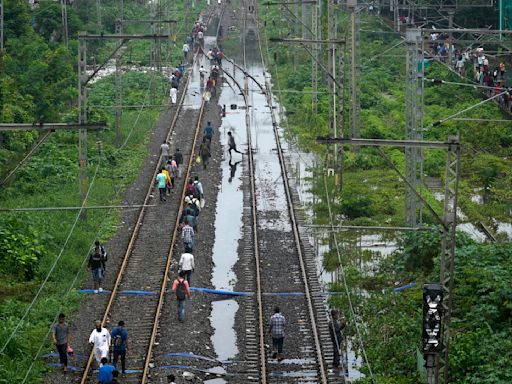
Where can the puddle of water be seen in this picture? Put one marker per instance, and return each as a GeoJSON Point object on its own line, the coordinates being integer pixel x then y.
{"type": "Point", "coordinates": [505, 228]}
{"type": "Point", "coordinates": [228, 230]}
{"type": "Point", "coordinates": [354, 364]}
{"type": "Point", "coordinates": [224, 336]}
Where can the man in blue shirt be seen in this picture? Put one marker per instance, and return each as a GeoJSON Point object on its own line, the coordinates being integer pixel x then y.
{"type": "Point", "coordinates": [105, 372]}
{"type": "Point", "coordinates": [120, 344]}
{"type": "Point", "coordinates": [208, 132]}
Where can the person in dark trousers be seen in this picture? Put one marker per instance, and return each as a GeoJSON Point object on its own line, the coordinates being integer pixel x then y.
{"type": "Point", "coordinates": [60, 337]}
{"type": "Point", "coordinates": [232, 144]}
{"type": "Point", "coordinates": [178, 158]}
{"type": "Point", "coordinates": [105, 372]}
{"type": "Point", "coordinates": [97, 263]}
{"type": "Point", "coordinates": [335, 327]}
{"type": "Point", "coordinates": [182, 290]}
{"type": "Point", "coordinates": [120, 345]}
{"type": "Point", "coordinates": [162, 180]}
{"type": "Point", "coordinates": [208, 132]}
{"type": "Point", "coordinates": [187, 264]}
{"type": "Point", "coordinates": [204, 152]}
{"type": "Point", "coordinates": [276, 329]}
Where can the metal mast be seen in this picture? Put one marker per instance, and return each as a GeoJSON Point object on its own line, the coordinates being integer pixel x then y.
{"type": "Point", "coordinates": [64, 15]}
{"type": "Point", "coordinates": [353, 52]}
{"type": "Point", "coordinates": [413, 124]}
{"type": "Point", "coordinates": [119, 109]}
{"type": "Point", "coordinates": [315, 14]}
{"type": "Point", "coordinates": [82, 117]}
{"type": "Point", "coordinates": [448, 251]}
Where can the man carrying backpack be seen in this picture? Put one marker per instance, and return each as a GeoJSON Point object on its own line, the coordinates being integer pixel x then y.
{"type": "Point", "coordinates": [97, 260]}
{"type": "Point", "coordinates": [120, 345]}
{"type": "Point", "coordinates": [182, 290]}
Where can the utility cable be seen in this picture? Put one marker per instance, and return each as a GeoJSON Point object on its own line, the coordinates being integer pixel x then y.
{"type": "Point", "coordinates": [344, 280]}
{"type": "Point", "coordinates": [29, 308]}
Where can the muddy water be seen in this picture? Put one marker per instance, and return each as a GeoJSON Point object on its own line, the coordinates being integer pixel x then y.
{"type": "Point", "coordinates": [228, 227]}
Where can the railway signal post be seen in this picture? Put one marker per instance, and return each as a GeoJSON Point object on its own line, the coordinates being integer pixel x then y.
{"type": "Point", "coordinates": [448, 222]}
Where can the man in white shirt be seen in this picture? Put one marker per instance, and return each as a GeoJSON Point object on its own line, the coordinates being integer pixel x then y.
{"type": "Point", "coordinates": [100, 339]}
{"type": "Point", "coordinates": [187, 264]}
{"type": "Point", "coordinates": [186, 48]}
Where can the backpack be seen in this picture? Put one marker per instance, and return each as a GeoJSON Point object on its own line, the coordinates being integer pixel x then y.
{"type": "Point", "coordinates": [118, 341]}
{"type": "Point", "coordinates": [191, 190]}
{"type": "Point", "coordinates": [181, 290]}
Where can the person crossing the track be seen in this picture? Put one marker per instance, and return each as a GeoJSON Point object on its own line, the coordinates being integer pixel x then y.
{"type": "Point", "coordinates": [100, 340]}
{"type": "Point", "coordinates": [232, 144]}
{"type": "Point", "coordinates": [277, 324]}
{"type": "Point", "coordinates": [182, 290]}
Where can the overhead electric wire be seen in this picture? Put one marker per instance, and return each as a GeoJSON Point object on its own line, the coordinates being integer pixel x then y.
{"type": "Point", "coordinates": [57, 259]}
{"type": "Point", "coordinates": [344, 280]}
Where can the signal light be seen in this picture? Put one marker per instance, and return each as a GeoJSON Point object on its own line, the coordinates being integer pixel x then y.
{"type": "Point", "coordinates": [432, 316]}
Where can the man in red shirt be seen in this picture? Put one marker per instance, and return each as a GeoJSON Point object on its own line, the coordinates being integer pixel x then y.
{"type": "Point", "coordinates": [182, 290]}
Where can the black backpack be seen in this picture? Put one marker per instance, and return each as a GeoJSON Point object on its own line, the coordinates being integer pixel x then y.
{"type": "Point", "coordinates": [181, 290]}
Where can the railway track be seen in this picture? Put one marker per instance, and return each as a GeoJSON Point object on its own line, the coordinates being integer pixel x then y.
{"type": "Point", "coordinates": [147, 261]}
{"type": "Point", "coordinates": [307, 344]}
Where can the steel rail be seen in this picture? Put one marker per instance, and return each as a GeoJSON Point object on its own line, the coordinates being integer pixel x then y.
{"type": "Point", "coordinates": [252, 178]}
{"type": "Point", "coordinates": [170, 253]}
{"type": "Point", "coordinates": [171, 249]}
{"type": "Point", "coordinates": [292, 214]}
{"type": "Point", "coordinates": [135, 232]}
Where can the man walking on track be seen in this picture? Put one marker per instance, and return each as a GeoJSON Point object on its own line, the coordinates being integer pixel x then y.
{"type": "Point", "coordinates": [182, 290]}
{"type": "Point", "coordinates": [335, 327]}
{"type": "Point", "coordinates": [164, 149]}
{"type": "Point", "coordinates": [100, 339]}
{"type": "Point", "coordinates": [97, 263]}
{"type": "Point", "coordinates": [162, 179]}
{"type": "Point", "coordinates": [187, 264]}
{"type": "Point", "coordinates": [60, 337]}
{"type": "Point", "coordinates": [232, 144]}
{"type": "Point", "coordinates": [120, 344]}
{"type": "Point", "coordinates": [187, 234]}
{"type": "Point", "coordinates": [178, 157]}
{"type": "Point", "coordinates": [276, 329]}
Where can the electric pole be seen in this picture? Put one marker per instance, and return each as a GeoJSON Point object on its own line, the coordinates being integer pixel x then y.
{"type": "Point", "coordinates": [413, 124]}
{"type": "Point", "coordinates": [98, 13]}
{"type": "Point", "coordinates": [82, 119]}
{"type": "Point", "coordinates": [315, 14]}
{"type": "Point", "coordinates": [353, 52]}
{"type": "Point", "coordinates": [118, 81]}
{"type": "Point", "coordinates": [64, 15]}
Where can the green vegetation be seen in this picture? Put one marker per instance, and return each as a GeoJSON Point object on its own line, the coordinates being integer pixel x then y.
{"type": "Point", "coordinates": [372, 194]}
{"type": "Point", "coordinates": [38, 82]}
